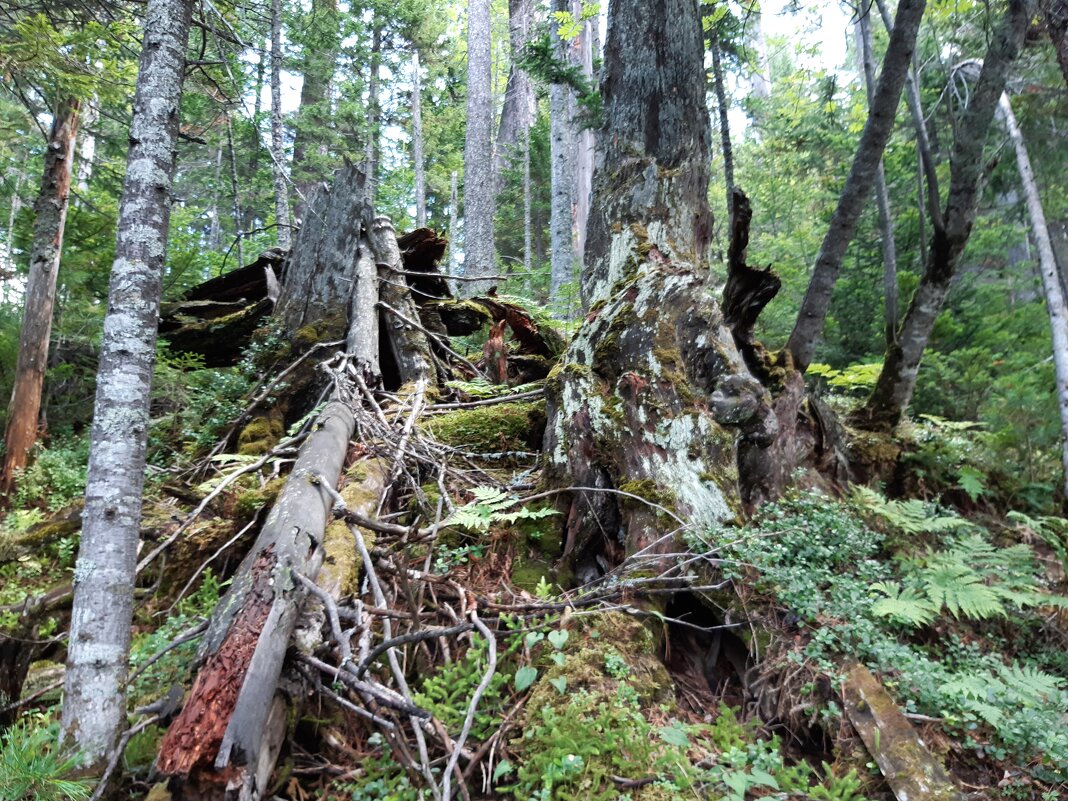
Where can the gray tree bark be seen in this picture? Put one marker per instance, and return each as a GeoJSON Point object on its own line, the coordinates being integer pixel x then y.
{"type": "Point", "coordinates": [584, 154]}
{"type": "Point", "coordinates": [281, 190]}
{"type": "Point", "coordinates": [520, 103]}
{"type": "Point", "coordinates": [50, 217]}
{"type": "Point", "coordinates": [882, 196]}
{"type": "Point", "coordinates": [454, 225]}
{"type": "Point", "coordinates": [528, 256]}
{"type": "Point", "coordinates": [562, 147]}
{"type": "Point", "coordinates": [374, 108]}
{"type": "Point", "coordinates": [235, 192]}
{"type": "Point", "coordinates": [94, 706]}
{"type": "Point", "coordinates": [1047, 265]}
{"type": "Point", "coordinates": [479, 250]}
{"type": "Point", "coordinates": [897, 380]}
{"type": "Point", "coordinates": [858, 185]}
{"type": "Point", "coordinates": [417, 142]}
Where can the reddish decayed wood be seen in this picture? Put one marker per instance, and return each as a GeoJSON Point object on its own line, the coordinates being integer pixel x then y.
{"type": "Point", "coordinates": [194, 738]}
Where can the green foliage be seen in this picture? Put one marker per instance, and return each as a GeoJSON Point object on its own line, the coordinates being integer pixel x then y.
{"type": "Point", "coordinates": [55, 476]}
{"type": "Point", "coordinates": [32, 767]}
{"type": "Point", "coordinates": [834, 573]}
{"type": "Point", "coordinates": [852, 379]}
{"type": "Point", "coordinates": [447, 692]}
{"type": "Point", "coordinates": [480, 388]}
{"type": "Point", "coordinates": [488, 508]}
{"type": "Point", "coordinates": [908, 517]}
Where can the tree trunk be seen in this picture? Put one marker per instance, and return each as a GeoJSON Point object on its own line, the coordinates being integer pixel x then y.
{"type": "Point", "coordinates": [882, 196]}
{"type": "Point", "coordinates": [50, 218]}
{"type": "Point", "coordinates": [217, 740]}
{"type": "Point", "coordinates": [235, 192]}
{"type": "Point", "coordinates": [629, 411]}
{"type": "Point", "coordinates": [94, 706]}
{"type": "Point", "coordinates": [1056, 14]}
{"type": "Point", "coordinates": [724, 119]}
{"type": "Point", "coordinates": [281, 191]}
{"type": "Point", "coordinates": [215, 232]}
{"type": "Point", "coordinates": [897, 380]}
{"type": "Point", "coordinates": [318, 62]}
{"type": "Point", "coordinates": [417, 142]}
{"type": "Point", "coordinates": [584, 153]}
{"type": "Point", "coordinates": [562, 146]}
{"type": "Point", "coordinates": [858, 185]}
{"type": "Point", "coordinates": [454, 225]}
{"type": "Point", "coordinates": [528, 257]}
{"type": "Point", "coordinates": [374, 108]}
{"type": "Point", "coordinates": [86, 146]}
{"type": "Point", "coordinates": [1047, 264]}
{"type": "Point", "coordinates": [520, 103]}
{"type": "Point", "coordinates": [479, 251]}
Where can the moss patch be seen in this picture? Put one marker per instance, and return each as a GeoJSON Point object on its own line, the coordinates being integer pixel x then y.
{"type": "Point", "coordinates": [262, 434]}
{"type": "Point", "coordinates": [503, 427]}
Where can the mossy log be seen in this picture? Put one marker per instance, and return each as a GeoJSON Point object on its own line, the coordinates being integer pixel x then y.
{"type": "Point", "coordinates": [911, 770]}
{"type": "Point", "coordinates": [214, 747]}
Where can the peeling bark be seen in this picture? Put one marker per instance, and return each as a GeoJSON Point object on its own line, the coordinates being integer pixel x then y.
{"type": "Point", "coordinates": [94, 707]}
{"type": "Point", "coordinates": [215, 743]}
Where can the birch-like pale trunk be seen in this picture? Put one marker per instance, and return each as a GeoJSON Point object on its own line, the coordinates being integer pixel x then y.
{"type": "Point", "coordinates": [215, 232]}
{"type": "Point", "coordinates": [417, 141]}
{"type": "Point", "coordinates": [882, 196]}
{"type": "Point", "coordinates": [858, 185]}
{"type": "Point", "coordinates": [94, 708]}
{"type": "Point", "coordinates": [278, 156]}
{"type": "Point", "coordinates": [50, 217]}
{"type": "Point", "coordinates": [528, 256]}
{"type": "Point", "coordinates": [562, 147]}
{"type": "Point", "coordinates": [454, 222]}
{"type": "Point", "coordinates": [1047, 266]}
{"type": "Point", "coordinates": [86, 146]}
{"type": "Point", "coordinates": [479, 250]}
{"type": "Point", "coordinates": [586, 142]}
{"type": "Point", "coordinates": [897, 380]}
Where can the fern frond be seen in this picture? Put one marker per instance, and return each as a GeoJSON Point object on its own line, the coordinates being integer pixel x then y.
{"type": "Point", "coordinates": [905, 605]}
{"type": "Point", "coordinates": [962, 591]}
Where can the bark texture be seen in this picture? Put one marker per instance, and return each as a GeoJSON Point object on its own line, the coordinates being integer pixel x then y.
{"type": "Point", "coordinates": [1047, 266]}
{"type": "Point", "coordinates": [417, 141]}
{"type": "Point", "coordinates": [323, 264]}
{"type": "Point", "coordinates": [95, 702]}
{"type": "Point", "coordinates": [858, 185]}
{"type": "Point", "coordinates": [50, 216]}
{"type": "Point", "coordinates": [520, 102]}
{"type": "Point", "coordinates": [1056, 14]}
{"type": "Point", "coordinates": [562, 148]}
{"type": "Point", "coordinates": [630, 407]}
{"type": "Point", "coordinates": [897, 380]}
{"type": "Point", "coordinates": [479, 250]}
{"type": "Point", "coordinates": [215, 744]}
{"type": "Point", "coordinates": [278, 154]}
{"type": "Point", "coordinates": [724, 118]}
{"type": "Point", "coordinates": [454, 225]}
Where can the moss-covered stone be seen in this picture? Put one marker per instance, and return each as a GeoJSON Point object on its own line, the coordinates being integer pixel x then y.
{"type": "Point", "coordinates": [648, 489]}
{"type": "Point", "coordinates": [488, 429]}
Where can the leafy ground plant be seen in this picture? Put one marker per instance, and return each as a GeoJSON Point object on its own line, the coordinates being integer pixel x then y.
{"type": "Point", "coordinates": [32, 768]}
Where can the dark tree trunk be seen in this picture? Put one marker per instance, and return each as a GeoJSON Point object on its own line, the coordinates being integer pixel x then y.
{"type": "Point", "coordinates": [50, 216]}
{"type": "Point", "coordinates": [724, 119]}
{"type": "Point", "coordinates": [858, 185]}
{"type": "Point", "coordinates": [94, 707]}
{"type": "Point", "coordinates": [1056, 14]}
{"type": "Point", "coordinates": [893, 389]}
{"type": "Point", "coordinates": [629, 409]}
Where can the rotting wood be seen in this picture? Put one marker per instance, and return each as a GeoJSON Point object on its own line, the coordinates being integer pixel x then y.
{"type": "Point", "coordinates": [215, 743]}
{"type": "Point", "coordinates": [911, 770]}
{"type": "Point", "coordinates": [409, 347]}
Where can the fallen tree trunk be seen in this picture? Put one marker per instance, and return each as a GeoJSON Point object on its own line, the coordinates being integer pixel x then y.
{"type": "Point", "coordinates": [213, 748]}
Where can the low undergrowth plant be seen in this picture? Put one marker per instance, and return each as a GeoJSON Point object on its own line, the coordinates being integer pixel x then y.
{"type": "Point", "coordinates": [871, 590]}
{"type": "Point", "coordinates": [33, 768]}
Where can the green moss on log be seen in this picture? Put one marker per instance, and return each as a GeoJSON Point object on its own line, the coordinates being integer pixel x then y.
{"type": "Point", "coordinates": [489, 429]}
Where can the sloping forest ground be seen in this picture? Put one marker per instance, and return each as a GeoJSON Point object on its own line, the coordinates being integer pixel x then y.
{"type": "Point", "coordinates": [838, 644]}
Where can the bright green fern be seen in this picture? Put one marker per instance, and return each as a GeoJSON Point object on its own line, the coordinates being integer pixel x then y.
{"type": "Point", "coordinates": [489, 507]}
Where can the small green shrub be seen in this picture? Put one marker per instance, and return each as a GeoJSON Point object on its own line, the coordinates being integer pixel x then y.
{"type": "Point", "coordinates": [32, 768]}
{"type": "Point", "coordinates": [55, 476]}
